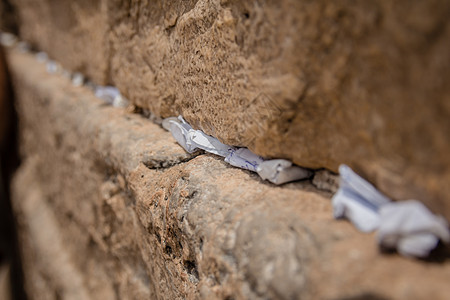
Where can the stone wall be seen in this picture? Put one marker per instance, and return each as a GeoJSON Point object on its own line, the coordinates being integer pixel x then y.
{"type": "Point", "coordinates": [109, 206]}
{"type": "Point", "coordinates": [320, 83]}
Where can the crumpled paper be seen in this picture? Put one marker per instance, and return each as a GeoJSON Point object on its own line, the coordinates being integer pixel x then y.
{"type": "Point", "coordinates": [357, 200]}
{"type": "Point", "coordinates": [407, 226]}
{"type": "Point", "coordinates": [411, 228]}
{"type": "Point", "coordinates": [41, 57]}
{"type": "Point", "coordinates": [191, 139]}
{"type": "Point", "coordinates": [111, 95]}
{"type": "Point", "coordinates": [7, 39]}
{"type": "Point", "coordinates": [53, 67]}
{"type": "Point", "coordinates": [244, 159]}
{"type": "Point", "coordinates": [77, 79]}
{"type": "Point", "coordinates": [277, 171]}
{"type": "Point", "coordinates": [280, 171]}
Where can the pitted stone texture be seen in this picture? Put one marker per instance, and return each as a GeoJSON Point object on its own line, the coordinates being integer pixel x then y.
{"type": "Point", "coordinates": [73, 33]}
{"type": "Point", "coordinates": [97, 226]}
{"type": "Point", "coordinates": [319, 82]}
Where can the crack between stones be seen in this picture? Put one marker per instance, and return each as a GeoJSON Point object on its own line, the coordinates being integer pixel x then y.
{"type": "Point", "coordinates": [167, 164]}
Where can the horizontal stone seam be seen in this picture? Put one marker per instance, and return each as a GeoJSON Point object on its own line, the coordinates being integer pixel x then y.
{"type": "Point", "coordinates": [166, 165]}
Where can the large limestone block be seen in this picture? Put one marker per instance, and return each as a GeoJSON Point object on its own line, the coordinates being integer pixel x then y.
{"type": "Point", "coordinates": [109, 206]}
{"type": "Point", "coordinates": [73, 33]}
{"type": "Point", "coordinates": [318, 82]}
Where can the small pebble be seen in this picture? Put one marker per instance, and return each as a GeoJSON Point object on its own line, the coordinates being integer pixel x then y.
{"type": "Point", "coordinates": [90, 85]}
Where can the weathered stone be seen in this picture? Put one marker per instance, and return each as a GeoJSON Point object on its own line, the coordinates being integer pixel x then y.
{"type": "Point", "coordinates": [72, 32]}
{"type": "Point", "coordinates": [101, 217]}
{"type": "Point", "coordinates": [325, 180]}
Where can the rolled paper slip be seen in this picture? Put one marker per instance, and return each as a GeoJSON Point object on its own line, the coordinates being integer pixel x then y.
{"type": "Point", "coordinates": [277, 171]}
{"type": "Point", "coordinates": [120, 101]}
{"type": "Point", "coordinates": [53, 67]}
{"type": "Point", "coordinates": [357, 200]}
{"type": "Point", "coordinates": [77, 79]}
{"type": "Point", "coordinates": [208, 143]}
{"type": "Point", "coordinates": [411, 228]}
{"type": "Point", "coordinates": [281, 171]}
{"type": "Point", "coordinates": [107, 93]}
{"type": "Point", "coordinates": [41, 57]}
{"type": "Point", "coordinates": [180, 130]}
{"type": "Point", "coordinates": [7, 39]}
{"type": "Point", "coordinates": [407, 226]}
{"type": "Point", "coordinates": [244, 159]}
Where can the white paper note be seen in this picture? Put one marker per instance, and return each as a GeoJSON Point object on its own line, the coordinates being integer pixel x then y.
{"type": "Point", "coordinates": [106, 93]}
{"type": "Point", "coordinates": [280, 171]}
{"type": "Point", "coordinates": [407, 226]}
{"type": "Point", "coordinates": [357, 200]}
{"type": "Point", "coordinates": [411, 228]}
{"type": "Point", "coordinates": [277, 171]}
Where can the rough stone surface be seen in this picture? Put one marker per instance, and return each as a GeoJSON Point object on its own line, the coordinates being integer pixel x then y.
{"type": "Point", "coordinates": [317, 82]}
{"type": "Point", "coordinates": [73, 33]}
{"type": "Point", "coordinates": [101, 217]}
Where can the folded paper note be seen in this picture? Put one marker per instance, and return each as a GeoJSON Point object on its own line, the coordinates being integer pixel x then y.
{"type": "Point", "coordinates": [191, 139]}
{"type": "Point", "coordinates": [106, 93]}
{"type": "Point", "coordinates": [357, 200]}
{"type": "Point", "coordinates": [407, 226]}
{"type": "Point", "coordinates": [280, 171]}
{"type": "Point", "coordinates": [411, 228]}
{"type": "Point", "coordinates": [277, 171]}
{"type": "Point", "coordinates": [77, 79]}
{"type": "Point", "coordinates": [7, 39]}
{"type": "Point", "coordinates": [244, 159]}
{"type": "Point", "coordinates": [41, 57]}
{"type": "Point", "coordinates": [111, 95]}
{"type": "Point", "coordinates": [53, 67]}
